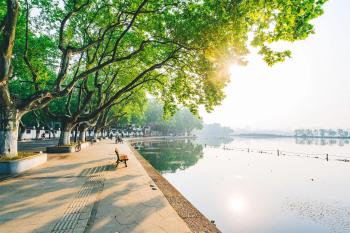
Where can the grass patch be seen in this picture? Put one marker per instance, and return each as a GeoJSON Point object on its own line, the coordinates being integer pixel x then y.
{"type": "Point", "coordinates": [20, 155]}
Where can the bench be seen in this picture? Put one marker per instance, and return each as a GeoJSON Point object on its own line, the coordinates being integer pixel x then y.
{"type": "Point", "coordinates": [121, 158]}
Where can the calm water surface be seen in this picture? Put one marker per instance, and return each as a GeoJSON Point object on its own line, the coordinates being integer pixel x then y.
{"type": "Point", "coordinates": [254, 192]}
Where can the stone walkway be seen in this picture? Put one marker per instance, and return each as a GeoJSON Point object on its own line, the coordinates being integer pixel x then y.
{"type": "Point", "coordinates": [83, 192]}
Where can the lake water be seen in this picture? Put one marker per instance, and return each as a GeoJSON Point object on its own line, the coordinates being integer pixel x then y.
{"type": "Point", "coordinates": [258, 191]}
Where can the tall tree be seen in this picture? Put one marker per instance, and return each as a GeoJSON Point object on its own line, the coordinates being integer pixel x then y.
{"type": "Point", "coordinates": [185, 44]}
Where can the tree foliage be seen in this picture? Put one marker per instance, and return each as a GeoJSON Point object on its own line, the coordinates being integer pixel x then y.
{"type": "Point", "coordinates": [215, 130]}
{"type": "Point", "coordinates": [195, 40]}
{"type": "Point", "coordinates": [183, 122]}
{"type": "Point", "coordinates": [176, 50]}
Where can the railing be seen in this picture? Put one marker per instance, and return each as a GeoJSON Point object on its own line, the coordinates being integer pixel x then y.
{"type": "Point", "coordinates": [323, 156]}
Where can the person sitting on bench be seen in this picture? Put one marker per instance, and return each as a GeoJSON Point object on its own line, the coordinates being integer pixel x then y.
{"type": "Point", "coordinates": [121, 158]}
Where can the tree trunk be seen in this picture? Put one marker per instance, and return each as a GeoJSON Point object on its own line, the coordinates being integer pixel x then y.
{"type": "Point", "coordinates": [96, 132]}
{"type": "Point", "coordinates": [109, 133]}
{"type": "Point", "coordinates": [9, 123]}
{"type": "Point", "coordinates": [82, 135]}
{"type": "Point", "coordinates": [22, 130]}
{"type": "Point", "coordinates": [65, 134]}
{"type": "Point", "coordinates": [37, 133]}
{"type": "Point", "coordinates": [82, 132]}
{"type": "Point", "coordinates": [76, 133]}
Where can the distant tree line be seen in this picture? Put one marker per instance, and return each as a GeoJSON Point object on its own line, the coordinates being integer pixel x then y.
{"type": "Point", "coordinates": [153, 117]}
{"type": "Point", "coordinates": [323, 133]}
{"type": "Point", "coordinates": [215, 130]}
{"type": "Point", "coordinates": [322, 141]}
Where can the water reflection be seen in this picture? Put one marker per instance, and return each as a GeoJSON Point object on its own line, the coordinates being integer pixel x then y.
{"type": "Point", "coordinates": [169, 156]}
{"type": "Point", "coordinates": [322, 141]}
{"type": "Point", "coordinates": [246, 191]}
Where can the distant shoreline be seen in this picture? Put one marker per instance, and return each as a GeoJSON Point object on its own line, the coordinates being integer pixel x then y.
{"type": "Point", "coordinates": [285, 136]}
{"type": "Point", "coordinates": [254, 135]}
{"type": "Point", "coordinates": [158, 138]}
{"type": "Point", "coordinates": [248, 135]}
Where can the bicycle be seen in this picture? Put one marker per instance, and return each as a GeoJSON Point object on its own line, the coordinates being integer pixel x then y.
{"type": "Point", "coordinates": [118, 139]}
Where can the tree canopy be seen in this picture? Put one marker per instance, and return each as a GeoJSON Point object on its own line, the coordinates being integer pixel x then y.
{"type": "Point", "coordinates": [176, 50]}
{"type": "Point", "coordinates": [183, 122]}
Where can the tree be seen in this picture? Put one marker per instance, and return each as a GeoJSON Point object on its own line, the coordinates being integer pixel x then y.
{"type": "Point", "coordinates": [322, 132]}
{"type": "Point", "coordinates": [152, 115]}
{"type": "Point", "coordinates": [182, 47]}
{"type": "Point", "coordinates": [186, 122]}
{"type": "Point", "coordinates": [181, 123]}
{"type": "Point", "coordinates": [132, 112]}
{"type": "Point", "coordinates": [215, 130]}
{"type": "Point", "coordinates": [131, 106]}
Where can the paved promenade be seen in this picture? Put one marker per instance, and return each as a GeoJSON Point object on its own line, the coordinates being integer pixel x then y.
{"type": "Point", "coordinates": [83, 192]}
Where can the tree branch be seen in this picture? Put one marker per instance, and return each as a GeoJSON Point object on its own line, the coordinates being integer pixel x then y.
{"type": "Point", "coordinates": [48, 113]}
{"type": "Point", "coordinates": [25, 53]}
{"type": "Point", "coordinates": [64, 22]}
{"type": "Point", "coordinates": [6, 50]}
{"type": "Point", "coordinates": [128, 27]}
{"type": "Point", "coordinates": [112, 60]}
{"type": "Point", "coordinates": [127, 87]}
{"type": "Point", "coordinates": [68, 103]}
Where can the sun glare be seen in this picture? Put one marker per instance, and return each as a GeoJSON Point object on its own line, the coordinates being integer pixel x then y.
{"type": "Point", "coordinates": [238, 205]}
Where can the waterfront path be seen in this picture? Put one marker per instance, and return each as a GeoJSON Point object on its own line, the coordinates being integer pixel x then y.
{"type": "Point", "coordinates": [83, 192]}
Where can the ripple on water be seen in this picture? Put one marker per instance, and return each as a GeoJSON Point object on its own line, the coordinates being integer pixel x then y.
{"type": "Point", "coordinates": [333, 216]}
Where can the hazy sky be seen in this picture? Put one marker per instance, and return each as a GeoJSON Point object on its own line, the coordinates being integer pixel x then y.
{"type": "Point", "coordinates": [311, 89]}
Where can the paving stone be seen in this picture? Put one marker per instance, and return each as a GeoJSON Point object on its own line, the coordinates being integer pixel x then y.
{"type": "Point", "coordinates": [79, 210]}
{"type": "Point", "coordinates": [59, 197]}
